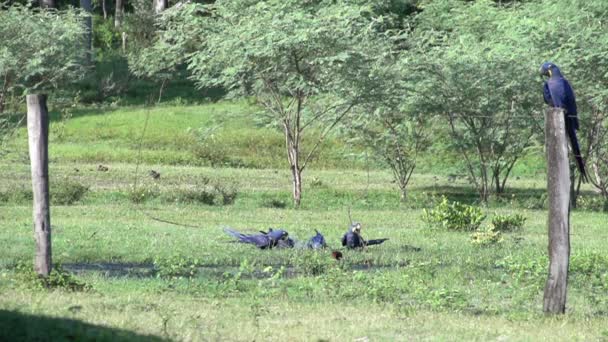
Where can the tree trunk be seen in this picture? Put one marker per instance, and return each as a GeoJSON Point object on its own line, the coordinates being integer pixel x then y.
{"type": "Point", "coordinates": [558, 186]}
{"type": "Point", "coordinates": [293, 156]}
{"type": "Point", "coordinates": [88, 22]}
{"type": "Point", "coordinates": [38, 130]}
{"type": "Point", "coordinates": [48, 3]}
{"type": "Point", "coordinates": [104, 9]}
{"type": "Point", "coordinates": [159, 6]}
{"type": "Point", "coordinates": [118, 13]}
{"type": "Point", "coordinates": [297, 186]}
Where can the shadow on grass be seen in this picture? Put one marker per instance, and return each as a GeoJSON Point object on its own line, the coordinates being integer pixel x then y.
{"type": "Point", "coordinates": [17, 326]}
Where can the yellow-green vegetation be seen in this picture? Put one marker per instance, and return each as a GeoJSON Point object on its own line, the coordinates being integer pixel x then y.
{"type": "Point", "coordinates": [130, 276]}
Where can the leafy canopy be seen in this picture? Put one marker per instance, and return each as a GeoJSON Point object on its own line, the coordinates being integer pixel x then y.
{"type": "Point", "coordinates": [40, 49]}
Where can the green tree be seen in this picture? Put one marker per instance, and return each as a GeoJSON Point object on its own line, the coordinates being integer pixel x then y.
{"type": "Point", "coordinates": [482, 83]}
{"type": "Point", "coordinates": [573, 35]}
{"type": "Point", "coordinates": [39, 51]}
{"type": "Point", "coordinates": [305, 62]}
{"type": "Point", "coordinates": [390, 124]}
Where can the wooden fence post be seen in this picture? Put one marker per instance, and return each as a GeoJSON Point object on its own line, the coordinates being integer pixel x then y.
{"type": "Point", "coordinates": [558, 188]}
{"type": "Point", "coordinates": [38, 133]}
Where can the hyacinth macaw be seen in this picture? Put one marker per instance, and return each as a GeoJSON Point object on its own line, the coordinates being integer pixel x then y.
{"type": "Point", "coordinates": [317, 241]}
{"type": "Point", "coordinates": [353, 238]}
{"type": "Point", "coordinates": [273, 238]}
{"type": "Point", "coordinates": [558, 93]}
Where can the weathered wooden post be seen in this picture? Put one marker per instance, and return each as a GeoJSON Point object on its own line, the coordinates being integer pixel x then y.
{"type": "Point", "coordinates": [38, 133]}
{"type": "Point", "coordinates": [558, 188]}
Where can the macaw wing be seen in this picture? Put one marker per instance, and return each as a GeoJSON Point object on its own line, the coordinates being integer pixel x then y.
{"type": "Point", "coordinates": [286, 243]}
{"type": "Point", "coordinates": [557, 92]}
{"type": "Point", "coordinates": [570, 105]}
{"type": "Point", "coordinates": [317, 241]}
{"type": "Point", "coordinates": [260, 240]}
{"type": "Point", "coordinates": [353, 240]}
{"type": "Point", "coordinates": [547, 94]}
{"type": "Point", "coordinates": [376, 241]}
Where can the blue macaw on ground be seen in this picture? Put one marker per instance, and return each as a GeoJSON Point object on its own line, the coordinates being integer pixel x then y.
{"type": "Point", "coordinates": [353, 238]}
{"type": "Point", "coordinates": [317, 241]}
{"type": "Point", "coordinates": [558, 93]}
{"type": "Point", "coordinates": [273, 238]}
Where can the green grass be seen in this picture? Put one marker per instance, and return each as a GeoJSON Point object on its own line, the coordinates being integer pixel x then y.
{"type": "Point", "coordinates": [151, 278]}
{"type": "Point", "coordinates": [171, 135]}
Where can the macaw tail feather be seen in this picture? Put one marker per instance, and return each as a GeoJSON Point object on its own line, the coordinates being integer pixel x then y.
{"type": "Point", "coordinates": [234, 233]}
{"type": "Point", "coordinates": [581, 168]}
{"type": "Point", "coordinates": [576, 150]}
{"type": "Point", "coordinates": [375, 242]}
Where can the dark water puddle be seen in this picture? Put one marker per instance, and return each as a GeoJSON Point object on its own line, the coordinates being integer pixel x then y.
{"type": "Point", "coordinates": [110, 269]}
{"type": "Point", "coordinates": [148, 270]}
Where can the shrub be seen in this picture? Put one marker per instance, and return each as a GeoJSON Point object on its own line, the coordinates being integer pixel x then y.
{"type": "Point", "coordinates": [312, 264]}
{"type": "Point", "coordinates": [66, 192]}
{"type": "Point", "coordinates": [508, 223]}
{"type": "Point", "coordinates": [454, 216]}
{"type": "Point", "coordinates": [205, 192]}
{"type": "Point", "coordinates": [274, 203]}
{"type": "Point", "coordinates": [316, 183]}
{"type": "Point", "coordinates": [486, 237]}
{"type": "Point", "coordinates": [16, 194]}
{"type": "Point", "coordinates": [142, 193]}
{"type": "Point", "coordinates": [535, 202]}
{"type": "Point", "coordinates": [176, 267]}
{"type": "Point", "coordinates": [592, 203]}
{"type": "Point", "coordinates": [57, 279]}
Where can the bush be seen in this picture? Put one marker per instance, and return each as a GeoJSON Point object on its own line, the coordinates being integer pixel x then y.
{"type": "Point", "coordinates": [57, 279]}
{"type": "Point", "coordinates": [16, 195]}
{"type": "Point", "coordinates": [312, 264]}
{"type": "Point", "coordinates": [176, 267]}
{"type": "Point", "coordinates": [275, 203]}
{"type": "Point", "coordinates": [508, 223]}
{"type": "Point", "coordinates": [142, 193]}
{"type": "Point", "coordinates": [592, 203]}
{"type": "Point", "coordinates": [205, 192]}
{"type": "Point", "coordinates": [67, 192]}
{"type": "Point", "coordinates": [454, 216]}
{"type": "Point", "coordinates": [486, 237]}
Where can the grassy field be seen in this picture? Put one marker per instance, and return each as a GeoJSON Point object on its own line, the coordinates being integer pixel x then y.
{"type": "Point", "coordinates": [151, 280]}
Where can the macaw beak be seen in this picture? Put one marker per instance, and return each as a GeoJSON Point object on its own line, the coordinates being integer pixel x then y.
{"type": "Point", "coordinates": [545, 72]}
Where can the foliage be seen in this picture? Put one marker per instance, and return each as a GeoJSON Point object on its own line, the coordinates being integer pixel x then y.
{"type": "Point", "coordinates": [486, 237]}
{"type": "Point", "coordinates": [176, 267]}
{"type": "Point", "coordinates": [592, 203]}
{"type": "Point", "coordinates": [142, 193]}
{"type": "Point", "coordinates": [394, 130]}
{"type": "Point", "coordinates": [313, 264]}
{"type": "Point", "coordinates": [454, 216]}
{"type": "Point", "coordinates": [67, 191]}
{"type": "Point", "coordinates": [478, 83]}
{"type": "Point", "coordinates": [16, 194]}
{"type": "Point", "coordinates": [159, 55]}
{"type": "Point", "coordinates": [40, 49]}
{"type": "Point", "coordinates": [507, 223]}
{"type": "Point", "coordinates": [204, 191]}
{"type": "Point", "coordinates": [301, 60]}
{"type": "Point", "coordinates": [58, 279]}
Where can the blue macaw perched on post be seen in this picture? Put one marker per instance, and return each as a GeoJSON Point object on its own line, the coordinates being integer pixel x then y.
{"type": "Point", "coordinates": [317, 241]}
{"type": "Point", "coordinates": [558, 93]}
{"type": "Point", "coordinates": [274, 238]}
{"type": "Point", "coordinates": [353, 238]}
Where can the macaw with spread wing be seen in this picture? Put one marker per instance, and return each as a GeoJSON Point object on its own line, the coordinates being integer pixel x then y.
{"type": "Point", "coordinates": [265, 240]}
{"type": "Point", "coordinates": [353, 239]}
{"type": "Point", "coordinates": [558, 93]}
